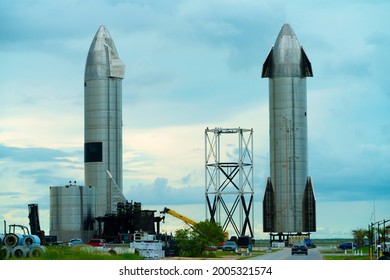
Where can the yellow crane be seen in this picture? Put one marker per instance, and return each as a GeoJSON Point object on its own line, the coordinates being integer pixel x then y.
{"type": "Point", "coordinates": [179, 216]}
{"type": "Point", "coordinates": [185, 219]}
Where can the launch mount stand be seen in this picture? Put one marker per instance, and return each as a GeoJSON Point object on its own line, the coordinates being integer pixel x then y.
{"type": "Point", "coordinates": [229, 179]}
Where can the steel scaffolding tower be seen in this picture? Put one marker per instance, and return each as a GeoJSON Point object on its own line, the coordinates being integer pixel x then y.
{"type": "Point", "coordinates": [229, 179]}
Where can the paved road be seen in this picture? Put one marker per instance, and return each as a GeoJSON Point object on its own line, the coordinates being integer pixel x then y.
{"type": "Point", "coordinates": [285, 254]}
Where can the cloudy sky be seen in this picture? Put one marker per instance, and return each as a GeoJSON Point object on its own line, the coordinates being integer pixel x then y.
{"type": "Point", "coordinates": [192, 65]}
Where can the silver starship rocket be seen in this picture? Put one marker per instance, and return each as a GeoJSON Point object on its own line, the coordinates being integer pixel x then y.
{"type": "Point", "coordinates": [103, 76]}
{"type": "Point", "coordinates": [289, 201]}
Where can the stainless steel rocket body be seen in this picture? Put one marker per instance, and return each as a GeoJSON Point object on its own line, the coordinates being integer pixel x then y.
{"type": "Point", "coordinates": [287, 67]}
{"type": "Point", "coordinates": [104, 72]}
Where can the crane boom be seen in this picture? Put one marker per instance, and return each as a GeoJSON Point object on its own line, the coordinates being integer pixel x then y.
{"type": "Point", "coordinates": [179, 216]}
{"type": "Point", "coordinates": [188, 221]}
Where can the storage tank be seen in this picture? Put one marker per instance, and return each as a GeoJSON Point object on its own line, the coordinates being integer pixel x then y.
{"type": "Point", "coordinates": [72, 212]}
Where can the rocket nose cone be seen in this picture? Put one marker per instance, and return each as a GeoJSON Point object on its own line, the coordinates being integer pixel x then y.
{"type": "Point", "coordinates": [101, 38]}
{"type": "Point", "coordinates": [102, 27]}
{"type": "Point", "coordinates": [287, 38]}
{"type": "Point", "coordinates": [286, 30]}
{"type": "Point", "coordinates": [102, 32]}
{"type": "Point", "coordinates": [103, 59]}
{"type": "Point", "coordinates": [287, 58]}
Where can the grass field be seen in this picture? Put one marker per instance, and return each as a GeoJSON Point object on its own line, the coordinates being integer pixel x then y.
{"type": "Point", "coordinates": [328, 249]}
{"type": "Point", "coordinates": [79, 252]}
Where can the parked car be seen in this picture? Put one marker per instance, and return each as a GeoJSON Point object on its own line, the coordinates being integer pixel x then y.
{"type": "Point", "coordinates": [309, 243]}
{"type": "Point", "coordinates": [347, 245]}
{"type": "Point", "coordinates": [212, 248]}
{"type": "Point", "coordinates": [97, 243]}
{"type": "Point", "coordinates": [299, 248]}
{"type": "Point", "coordinates": [75, 241]}
{"type": "Point", "coordinates": [229, 246]}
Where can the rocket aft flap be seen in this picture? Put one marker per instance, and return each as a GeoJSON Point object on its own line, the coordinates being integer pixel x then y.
{"type": "Point", "coordinates": [289, 201]}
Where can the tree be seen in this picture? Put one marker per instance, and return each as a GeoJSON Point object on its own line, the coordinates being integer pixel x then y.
{"type": "Point", "coordinates": [193, 242]}
{"type": "Point", "coordinates": [359, 235]}
{"type": "Point", "coordinates": [211, 232]}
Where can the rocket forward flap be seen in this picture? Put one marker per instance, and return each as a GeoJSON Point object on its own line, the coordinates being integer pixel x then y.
{"type": "Point", "coordinates": [305, 64]}
{"type": "Point", "coordinates": [267, 66]}
{"type": "Point", "coordinates": [116, 68]}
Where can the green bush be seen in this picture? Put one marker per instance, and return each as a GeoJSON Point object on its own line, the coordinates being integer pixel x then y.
{"type": "Point", "coordinates": [196, 241]}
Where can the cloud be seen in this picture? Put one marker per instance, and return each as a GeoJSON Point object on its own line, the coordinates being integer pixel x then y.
{"type": "Point", "coordinates": [159, 192]}
{"type": "Point", "coordinates": [32, 154]}
{"type": "Point", "coordinates": [8, 193]}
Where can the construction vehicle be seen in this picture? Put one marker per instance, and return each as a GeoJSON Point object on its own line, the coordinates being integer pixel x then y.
{"type": "Point", "coordinates": [19, 243]}
{"type": "Point", "coordinates": [35, 226]}
{"type": "Point", "coordinates": [173, 213]}
{"type": "Point", "coordinates": [185, 219]}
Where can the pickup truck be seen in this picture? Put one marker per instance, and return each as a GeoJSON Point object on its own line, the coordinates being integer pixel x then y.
{"type": "Point", "coordinates": [244, 245]}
